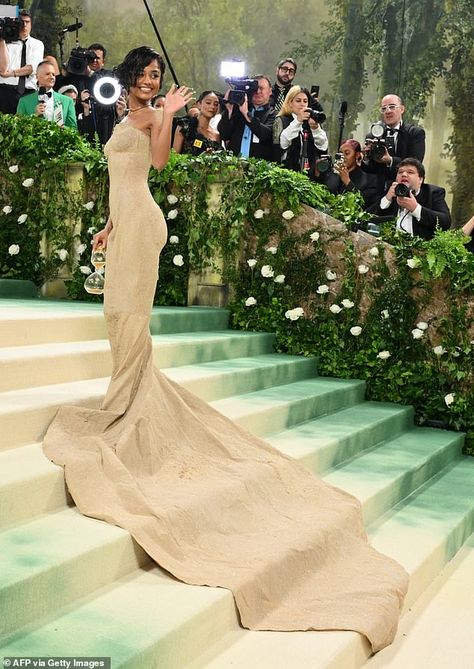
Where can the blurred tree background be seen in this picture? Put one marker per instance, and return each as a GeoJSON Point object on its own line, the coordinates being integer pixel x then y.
{"type": "Point", "coordinates": [356, 50]}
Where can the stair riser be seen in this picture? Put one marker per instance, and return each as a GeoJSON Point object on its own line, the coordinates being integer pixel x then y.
{"type": "Point", "coordinates": [22, 372]}
{"type": "Point", "coordinates": [274, 419]}
{"type": "Point", "coordinates": [45, 326]}
{"type": "Point", "coordinates": [58, 585]}
{"type": "Point", "coordinates": [335, 451]}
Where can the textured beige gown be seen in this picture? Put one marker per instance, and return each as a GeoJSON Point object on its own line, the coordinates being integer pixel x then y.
{"type": "Point", "coordinates": [208, 501]}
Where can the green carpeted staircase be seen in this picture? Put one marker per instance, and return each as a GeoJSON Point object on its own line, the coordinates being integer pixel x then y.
{"type": "Point", "coordinates": [74, 586]}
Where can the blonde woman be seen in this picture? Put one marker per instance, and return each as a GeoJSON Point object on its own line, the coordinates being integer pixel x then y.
{"type": "Point", "coordinates": [297, 136]}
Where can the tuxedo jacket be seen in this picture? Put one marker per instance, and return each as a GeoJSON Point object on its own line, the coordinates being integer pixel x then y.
{"type": "Point", "coordinates": [231, 131]}
{"type": "Point", "coordinates": [410, 144]}
{"type": "Point", "coordinates": [28, 104]}
{"type": "Point", "coordinates": [360, 181]}
{"type": "Point", "coordinates": [434, 211]}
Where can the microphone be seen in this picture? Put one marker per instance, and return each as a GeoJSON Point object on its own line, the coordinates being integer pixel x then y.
{"type": "Point", "coordinates": [72, 28]}
{"type": "Point", "coordinates": [343, 109]}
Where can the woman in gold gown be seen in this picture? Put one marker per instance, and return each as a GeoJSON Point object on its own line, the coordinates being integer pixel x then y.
{"type": "Point", "coordinates": [208, 501]}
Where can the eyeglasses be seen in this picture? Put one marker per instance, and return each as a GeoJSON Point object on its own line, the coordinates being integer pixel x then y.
{"type": "Point", "coordinates": [387, 108]}
{"type": "Point", "coordinates": [288, 70]}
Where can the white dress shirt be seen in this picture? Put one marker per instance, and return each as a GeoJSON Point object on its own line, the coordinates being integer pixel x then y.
{"type": "Point", "coordinates": [292, 131]}
{"type": "Point", "coordinates": [34, 56]}
{"type": "Point", "coordinates": [404, 217]}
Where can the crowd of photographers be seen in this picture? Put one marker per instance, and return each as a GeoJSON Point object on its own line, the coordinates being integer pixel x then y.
{"type": "Point", "coordinates": [280, 122]}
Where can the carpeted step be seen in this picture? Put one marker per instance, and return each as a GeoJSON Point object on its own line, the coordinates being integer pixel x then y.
{"type": "Point", "coordinates": [45, 364]}
{"type": "Point", "coordinates": [30, 322]}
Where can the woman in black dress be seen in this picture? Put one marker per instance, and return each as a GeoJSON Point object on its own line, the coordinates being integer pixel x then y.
{"type": "Point", "coordinates": [197, 135]}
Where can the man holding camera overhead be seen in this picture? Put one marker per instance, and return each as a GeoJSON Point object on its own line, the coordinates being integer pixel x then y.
{"type": "Point", "coordinates": [246, 128]}
{"type": "Point", "coordinates": [395, 141]}
{"type": "Point", "coordinates": [18, 62]}
{"type": "Point", "coordinates": [417, 206]}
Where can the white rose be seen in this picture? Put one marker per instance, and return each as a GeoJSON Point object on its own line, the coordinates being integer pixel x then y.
{"type": "Point", "coordinates": [178, 260]}
{"type": "Point", "coordinates": [271, 249]}
{"type": "Point", "coordinates": [7, 209]}
{"type": "Point", "coordinates": [250, 301]}
{"type": "Point", "coordinates": [439, 350]}
{"type": "Point", "coordinates": [385, 313]}
{"type": "Point", "coordinates": [84, 269]}
{"type": "Point", "coordinates": [374, 251]}
{"type": "Point", "coordinates": [356, 330]}
{"type": "Point", "coordinates": [449, 399]}
{"type": "Point", "coordinates": [347, 304]}
{"type": "Point", "coordinates": [28, 182]}
{"type": "Point", "coordinates": [13, 169]}
{"type": "Point", "coordinates": [335, 308]}
{"type": "Point", "coordinates": [80, 248]}
{"type": "Point", "coordinates": [14, 249]}
{"type": "Point", "coordinates": [89, 205]}
{"type": "Point", "coordinates": [383, 355]}
{"type": "Point", "coordinates": [362, 269]}
{"type": "Point", "coordinates": [251, 262]}
{"type": "Point", "coordinates": [422, 325]}
{"type": "Point", "coordinates": [279, 279]}
{"type": "Point", "coordinates": [413, 262]}
{"type": "Point", "coordinates": [330, 275]}
{"type": "Point", "coordinates": [174, 239]}
{"type": "Point", "coordinates": [323, 289]}
{"type": "Point", "coordinates": [62, 253]}
{"type": "Point", "coordinates": [172, 199]}
{"type": "Point", "coordinates": [22, 218]}
{"type": "Point", "coordinates": [294, 314]}
{"type": "Point", "coordinates": [288, 215]}
{"type": "Point", "coordinates": [314, 236]}
{"type": "Point", "coordinates": [91, 230]}
{"type": "Point", "coordinates": [258, 213]}
{"type": "Point", "coordinates": [172, 214]}
{"type": "Point", "coordinates": [417, 333]}
{"type": "Point", "coordinates": [267, 271]}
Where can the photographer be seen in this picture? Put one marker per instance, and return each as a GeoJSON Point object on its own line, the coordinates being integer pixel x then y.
{"type": "Point", "coordinates": [247, 128]}
{"type": "Point", "coordinates": [417, 207]}
{"type": "Point", "coordinates": [401, 140]}
{"type": "Point", "coordinates": [18, 63]}
{"type": "Point", "coordinates": [347, 176]}
{"type": "Point", "coordinates": [297, 136]}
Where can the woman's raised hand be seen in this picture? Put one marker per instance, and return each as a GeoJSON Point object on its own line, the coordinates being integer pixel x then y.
{"type": "Point", "coordinates": [177, 98]}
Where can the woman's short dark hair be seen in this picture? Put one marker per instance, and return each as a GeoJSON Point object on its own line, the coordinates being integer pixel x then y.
{"type": "Point", "coordinates": [135, 62]}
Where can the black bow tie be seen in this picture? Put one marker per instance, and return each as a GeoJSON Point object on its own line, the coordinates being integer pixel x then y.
{"type": "Point", "coordinates": [392, 131]}
{"type": "Point", "coordinates": [46, 94]}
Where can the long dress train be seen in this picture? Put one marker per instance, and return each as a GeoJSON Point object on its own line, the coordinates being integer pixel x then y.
{"type": "Point", "coordinates": [208, 501]}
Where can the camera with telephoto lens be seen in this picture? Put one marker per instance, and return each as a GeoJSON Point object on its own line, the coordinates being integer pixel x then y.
{"type": "Point", "coordinates": [79, 61]}
{"type": "Point", "coordinates": [324, 163]}
{"type": "Point", "coordinates": [402, 190]}
{"type": "Point", "coordinates": [241, 87]}
{"type": "Point", "coordinates": [10, 28]}
{"type": "Point", "coordinates": [377, 141]}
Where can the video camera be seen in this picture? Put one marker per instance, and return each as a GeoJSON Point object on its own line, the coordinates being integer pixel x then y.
{"type": "Point", "coordinates": [79, 60]}
{"type": "Point", "coordinates": [234, 73]}
{"type": "Point", "coordinates": [377, 141]}
{"type": "Point", "coordinates": [10, 28]}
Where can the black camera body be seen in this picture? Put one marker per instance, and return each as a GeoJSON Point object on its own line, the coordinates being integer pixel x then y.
{"type": "Point", "coordinates": [316, 115]}
{"type": "Point", "coordinates": [324, 163]}
{"type": "Point", "coordinates": [241, 87]}
{"type": "Point", "coordinates": [79, 60]}
{"type": "Point", "coordinates": [10, 28]}
{"type": "Point", "coordinates": [402, 190]}
{"type": "Point", "coordinates": [377, 141]}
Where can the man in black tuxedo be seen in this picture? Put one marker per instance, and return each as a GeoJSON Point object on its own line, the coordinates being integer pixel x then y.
{"type": "Point", "coordinates": [422, 208]}
{"type": "Point", "coordinates": [407, 141]}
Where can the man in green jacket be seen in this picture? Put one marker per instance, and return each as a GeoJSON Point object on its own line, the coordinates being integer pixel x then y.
{"type": "Point", "coordinates": [47, 103]}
